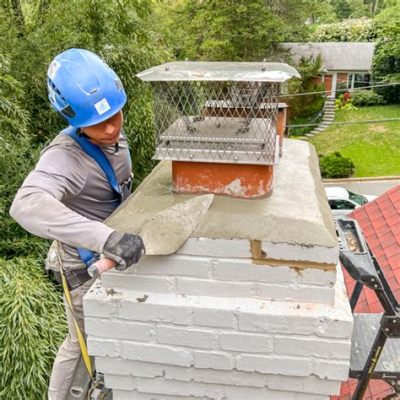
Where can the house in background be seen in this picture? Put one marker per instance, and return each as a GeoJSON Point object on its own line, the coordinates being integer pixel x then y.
{"type": "Point", "coordinates": [345, 64]}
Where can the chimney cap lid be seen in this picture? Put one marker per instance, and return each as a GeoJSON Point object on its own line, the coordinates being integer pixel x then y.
{"type": "Point", "coordinates": [219, 71]}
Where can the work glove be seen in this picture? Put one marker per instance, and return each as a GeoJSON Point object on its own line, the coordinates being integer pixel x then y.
{"type": "Point", "coordinates": [125, 249]}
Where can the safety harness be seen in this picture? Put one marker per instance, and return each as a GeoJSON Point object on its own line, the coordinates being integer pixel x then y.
{"type": "Point", "coordinates": [88, 256]}
{"type": "Point", "coordinates": [95, 152]}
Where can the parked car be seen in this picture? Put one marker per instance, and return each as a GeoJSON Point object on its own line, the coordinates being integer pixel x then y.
{"type": "Point", "coordinates": [343, 201]}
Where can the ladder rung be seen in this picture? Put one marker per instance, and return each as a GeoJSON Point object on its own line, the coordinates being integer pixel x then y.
{"type": "Point", "coordinates": [365, 329]}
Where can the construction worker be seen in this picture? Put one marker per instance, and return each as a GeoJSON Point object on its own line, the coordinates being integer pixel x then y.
{"type": "Point", "coordinates": [68, 195]}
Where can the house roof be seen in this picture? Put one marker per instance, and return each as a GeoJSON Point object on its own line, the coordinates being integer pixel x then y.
{"type": "Point", "coordinates": [336, 56]}
{"type": "Point", "coordinates": [377, 390]}
{"type": "Point", "coordinates": [380, 223]}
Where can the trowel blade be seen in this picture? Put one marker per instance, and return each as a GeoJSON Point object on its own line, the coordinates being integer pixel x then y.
{"type": "Point", "coordinates": [165, 232]}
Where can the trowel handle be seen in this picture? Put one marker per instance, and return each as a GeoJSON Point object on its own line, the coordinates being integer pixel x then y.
{"type": "Point", "coordinates": [103, 265]}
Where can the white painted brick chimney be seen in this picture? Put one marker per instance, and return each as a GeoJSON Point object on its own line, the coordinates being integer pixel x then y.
{"type": "Point", "coordinates": [252, 306]}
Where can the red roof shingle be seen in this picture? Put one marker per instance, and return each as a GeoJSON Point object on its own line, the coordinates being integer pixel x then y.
{"type": "Point", "coordinates": [380, 223]}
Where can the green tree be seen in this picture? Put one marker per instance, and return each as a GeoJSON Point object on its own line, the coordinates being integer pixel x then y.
{"type": "Point", "coordinates": [297, 16]}
{"type": "Point", "coordinates": [16, 159]}
{"type": "Point", "coordinates": [361, 8]}
{"type": "Point", "coordinates": [356, 8]}
{"type": "Point", "coordinates": [238, 29]}
{"type": "Point", "coordinates": [318, 11]}
{"type": "Point", "coordinates": [33, 32]}
{"type": "Point", "coordinates": [342, 8]}
{"type": "Point", "coordinates": [350, 30]}
{"type": "Point", "coordinates": [225, 29]}
{"type": "Point", "coordinates": [386, 62]}
{"type": "Point", "coordinates": [307, 106]}
{"type": "Point", "coordinates": [120, 31]}
{"type": "Point", "coordinates": [32, 327]}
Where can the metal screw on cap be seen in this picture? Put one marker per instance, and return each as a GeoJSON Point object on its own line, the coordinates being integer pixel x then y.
{"type": "Point", "coordinates": [263, 69]}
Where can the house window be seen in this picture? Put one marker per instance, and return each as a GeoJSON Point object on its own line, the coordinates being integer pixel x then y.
{"type": "Point", "coordinates": [350, 80]}
{"type": "Point", "coordinates": [358, 80]}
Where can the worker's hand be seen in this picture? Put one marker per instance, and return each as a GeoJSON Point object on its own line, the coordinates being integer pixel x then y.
{"type": "Point", "coordinates": [125, 249]}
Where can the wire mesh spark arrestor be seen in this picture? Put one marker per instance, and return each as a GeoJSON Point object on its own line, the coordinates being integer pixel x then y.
{"type": "Point", "coordinates": [220, 123]}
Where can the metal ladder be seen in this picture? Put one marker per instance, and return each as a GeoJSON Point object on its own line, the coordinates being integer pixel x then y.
{"type": "Point", "coordinates": [375, 353]}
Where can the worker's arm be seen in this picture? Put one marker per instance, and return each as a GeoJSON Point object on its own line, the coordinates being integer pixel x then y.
{"type": "Point", "coordinates": [38, 206]}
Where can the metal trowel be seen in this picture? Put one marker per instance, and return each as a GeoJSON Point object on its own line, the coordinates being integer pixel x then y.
{"type": "Point", "coordinates": [166, 231]}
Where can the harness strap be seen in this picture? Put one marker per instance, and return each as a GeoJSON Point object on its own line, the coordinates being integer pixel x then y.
{"type": "Point", "coordinates": [81, 339]}
{"type": "Point", "coordinates": [87, 256]}
{"type": "Point", "coordinates": [95, 152]}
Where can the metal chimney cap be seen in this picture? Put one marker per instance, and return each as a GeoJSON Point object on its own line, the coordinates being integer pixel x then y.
{"type": "Point", "coordinates": [219, 71]}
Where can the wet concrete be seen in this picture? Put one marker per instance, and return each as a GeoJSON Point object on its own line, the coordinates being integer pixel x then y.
{"type": "Point", "coordinates": [166, 231]}
{"type": "Point", "coordinates": [296, 213]}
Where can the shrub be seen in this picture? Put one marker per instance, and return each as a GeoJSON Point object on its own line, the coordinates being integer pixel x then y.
{"type": "Point", "coordinates": [302, 130]}
{"type": "Point", "coordinates": [310, 105]}
{"type": "Point", "coordinates": [386, 68]}
{"type": "Point", "coordinates": [341, 87]}
{"type": "Point", "coordinates": [32, 327]}
{"type": "Point", "coordinates": [386, 61]}
{"type": "Point", "coordinates": [336, 166]}
{"type": "Point", "coordinates": [362, 98]}
{"type": "Point", "coordinates": [349, 30]}
{"type": "Point", "coordinates": [343, 104]}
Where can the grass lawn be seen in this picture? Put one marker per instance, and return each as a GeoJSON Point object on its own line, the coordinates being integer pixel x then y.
{"type": "Point", "coordinates": [373, 148]}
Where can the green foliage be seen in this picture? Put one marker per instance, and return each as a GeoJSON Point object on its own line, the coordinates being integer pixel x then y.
{"type": "Point", "coordinates": [345, 9]}
{"type": "Point", "coordinates": [31, 328]}
{"type": "Point", "coordinates": [344, 103]}
{"type": "Point", "coordinates": [13, 119]}
{"type": "Point", "coordinates": [33, 32]}
{"type": "Point", "coordinates": [386, 62]}
{"type": "Point", "coordinates": [238, 29]}
{"type": "Point", "coordinates": [341, 87]}
{"type": "Point", "coordinates": [342, 8]}
{"type": "Point", "coordinates": [16, 159]}
{"type": "Point", "coordinates": [341, 104]}
{"type": "Point", "coordinates": [224, 30]}
{"type": "Point", "coordinates": [308, 105]}
{"type": "Point", "coordinates": [317, 11]}
{"type": "Point", "coordinates": [299, 15]}
{"type": "Point", "coordinates": [361, 8]}
{"type": "Point", "coordinates": [302, 130]}
{"type": "Point", "coordinates": [387, 21]}
{"type": "Point", "coordinates": [306, 109]}
{"type": "Point", "coordinates": [362, 98]}
{"type": "Point", "coordinates": [120, 32]}
{"type": "Point", "coordinates": [334, 165]}
{"type": "Point", "coordinates": [350, 30]}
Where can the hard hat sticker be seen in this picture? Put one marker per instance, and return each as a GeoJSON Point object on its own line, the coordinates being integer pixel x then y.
{"type": "Point", "coordinates": [53, 68]}
{"type": "Point", "coordinates": [102, 106]}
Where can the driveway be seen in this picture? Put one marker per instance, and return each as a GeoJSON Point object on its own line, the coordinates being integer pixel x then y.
{"type": "Point", "coordinates": [372, 186]}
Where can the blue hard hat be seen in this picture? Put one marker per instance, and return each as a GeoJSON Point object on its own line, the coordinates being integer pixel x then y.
{"type": "Point", "coordinates": [83, 88]}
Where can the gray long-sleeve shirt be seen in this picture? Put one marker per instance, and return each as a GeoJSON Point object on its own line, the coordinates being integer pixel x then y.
{"type": "Point", "coordinates": [67, 196]}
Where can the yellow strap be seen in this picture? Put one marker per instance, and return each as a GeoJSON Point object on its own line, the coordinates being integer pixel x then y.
{"type": "Point", "coordinates": [81, 339]}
